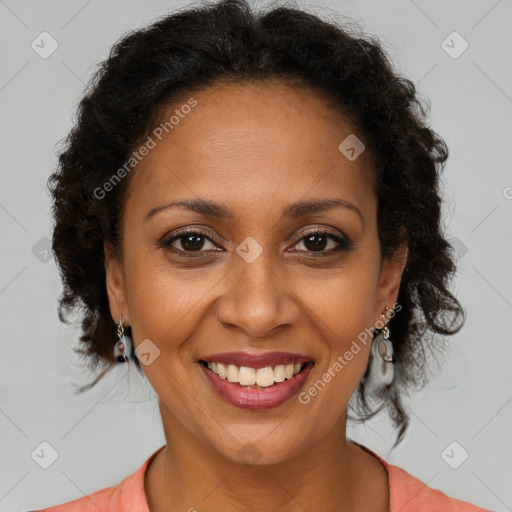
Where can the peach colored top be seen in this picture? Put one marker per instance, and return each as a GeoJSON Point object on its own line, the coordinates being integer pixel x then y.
{"type": "Point", "coordinates": [408, 494]}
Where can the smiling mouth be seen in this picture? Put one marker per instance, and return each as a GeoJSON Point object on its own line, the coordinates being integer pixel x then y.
{"type": "Point", "coordinates": [256, 378]}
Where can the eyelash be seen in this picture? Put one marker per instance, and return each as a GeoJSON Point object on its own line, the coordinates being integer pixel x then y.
{"type": "Point", "coordinates": [344, 244]}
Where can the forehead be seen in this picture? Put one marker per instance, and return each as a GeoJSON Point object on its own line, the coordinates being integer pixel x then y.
{"type": "Point", "coordinates": [249, 142]}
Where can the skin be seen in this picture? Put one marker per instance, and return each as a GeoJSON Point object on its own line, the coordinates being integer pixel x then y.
{"type": "Point", "coordinates": [255, 149]}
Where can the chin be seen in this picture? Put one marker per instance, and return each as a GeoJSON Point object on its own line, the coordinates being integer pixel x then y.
{"type": "Point", "coordinates": [258, 450]}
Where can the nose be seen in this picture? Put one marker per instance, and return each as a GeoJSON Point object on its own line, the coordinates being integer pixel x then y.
{"type": "Point", "coordinates": [257, 300]}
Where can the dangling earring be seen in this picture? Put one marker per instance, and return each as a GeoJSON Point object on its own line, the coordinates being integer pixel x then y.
{"type": "Point", "coordinates": [381, 371]}
{"type": "Point", "coordinates": [123, 347]}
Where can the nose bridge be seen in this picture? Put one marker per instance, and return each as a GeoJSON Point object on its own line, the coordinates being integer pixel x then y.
{"type": "Point", "coordinates": [255, 298]}
{"type": "Point", "coordinates": [256, 277]}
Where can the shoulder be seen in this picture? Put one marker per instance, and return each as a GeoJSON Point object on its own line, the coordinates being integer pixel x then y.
{"type": "Point", "coordinates": [127, 495]}
{"type": "Point", "coordinates": [409, 494]}
{"type": "Point", "coordinates": [99, 500]}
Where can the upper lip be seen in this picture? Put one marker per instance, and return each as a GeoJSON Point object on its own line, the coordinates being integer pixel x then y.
{"type": "Point", "coordinates": [256, 360]}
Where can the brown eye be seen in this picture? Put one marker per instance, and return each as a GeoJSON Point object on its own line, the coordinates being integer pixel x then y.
{"type": "Point", "coordinates": [192, 242]}
{"type": "Point", "coordinates": [318, 241]}
{"type": "Point", "coordinates": [315, 242]}
{"type": "Point", "coordinates": [189, 242]}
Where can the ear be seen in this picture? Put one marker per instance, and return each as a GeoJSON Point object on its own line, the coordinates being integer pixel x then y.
{"type": "Point", "coordinates": [389, 281]}
{"type": "Point", "coordinates": [114, 276]}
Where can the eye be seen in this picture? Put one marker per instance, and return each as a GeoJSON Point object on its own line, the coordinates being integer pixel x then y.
{"type": "Point", "coordinates": [316, 241]}
{"type": "Point", "coordinates": [189, 241]}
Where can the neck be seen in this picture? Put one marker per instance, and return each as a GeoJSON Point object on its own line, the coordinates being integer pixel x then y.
{"type": "Point", "coordinates": [330, 475]}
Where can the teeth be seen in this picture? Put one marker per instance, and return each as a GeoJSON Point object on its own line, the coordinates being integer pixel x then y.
{"type": "Point", "coordinates": [221, 370]}
{"type": "Point", "coordinates": [247, 376]}
{"type": "Point", "coordinates": [279, 373]}
{"type": "Point", "coordinates": [263, 377]}
{"type": "Point", "coordinates": [233, 373]}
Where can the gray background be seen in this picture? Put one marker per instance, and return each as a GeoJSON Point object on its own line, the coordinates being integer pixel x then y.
{"type": "Point", "coordinates": [103, 436]}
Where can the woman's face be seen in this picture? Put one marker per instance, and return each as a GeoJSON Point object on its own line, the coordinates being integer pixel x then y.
{"type": "Point", "coordinates": [253, 279]}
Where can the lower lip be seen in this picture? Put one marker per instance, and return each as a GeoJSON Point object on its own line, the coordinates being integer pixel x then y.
{"type": "Point", "coordinates": [257, 399]}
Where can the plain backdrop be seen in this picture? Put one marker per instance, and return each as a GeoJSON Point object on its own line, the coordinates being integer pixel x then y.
{"type": "Point", "coordinates": [101, 437]}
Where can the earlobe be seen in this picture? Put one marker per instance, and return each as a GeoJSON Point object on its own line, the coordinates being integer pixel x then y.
{"type": "Point", "coordinates": [114, 280]}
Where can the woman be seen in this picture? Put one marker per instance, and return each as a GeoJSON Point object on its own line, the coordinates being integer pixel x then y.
{"type": "Point", "coordinates": [251, 203]}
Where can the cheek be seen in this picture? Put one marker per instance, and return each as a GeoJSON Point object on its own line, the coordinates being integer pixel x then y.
{"type": "Point", "coordinates": [344, 310]}
{"type": "Point", "coordinates": [345, 302]}
{"type": "Point", "coordinates": [344, 313]}
{"type": "Point", "coordinates": [164, 302]}
{"type": "Point", "coordinates": [164, 308]}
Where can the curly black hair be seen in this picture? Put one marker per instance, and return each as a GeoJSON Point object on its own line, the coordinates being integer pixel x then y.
{"type": "Point", "coordinates": [227, 42]}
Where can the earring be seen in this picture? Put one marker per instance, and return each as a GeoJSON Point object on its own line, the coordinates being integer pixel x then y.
{"type": "Point", "coordinates": [123, 347]}
{"type": "Point", "coordinates": [381, 372]}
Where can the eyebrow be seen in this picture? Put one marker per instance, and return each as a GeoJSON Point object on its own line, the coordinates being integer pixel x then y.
{"type": "Point", "coordinates": [293, 210]}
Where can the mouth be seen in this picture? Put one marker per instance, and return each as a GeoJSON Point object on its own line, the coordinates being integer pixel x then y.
{"type": "Point", "coordinates": [257, 387]}
{"type": "Point", "coordinates": [255, 378]}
